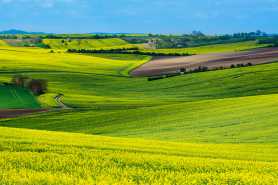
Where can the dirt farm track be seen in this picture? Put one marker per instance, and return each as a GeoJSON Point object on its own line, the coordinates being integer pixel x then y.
{"type": "Point", "coordinates": [165, 65]}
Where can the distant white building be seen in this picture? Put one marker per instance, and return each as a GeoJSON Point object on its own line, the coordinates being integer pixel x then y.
{"type": "Point", "coordinates": [152, 43]}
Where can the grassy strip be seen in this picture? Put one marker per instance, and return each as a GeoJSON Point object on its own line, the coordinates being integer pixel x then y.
{"type": "Point", "coordinates": [214, 121]}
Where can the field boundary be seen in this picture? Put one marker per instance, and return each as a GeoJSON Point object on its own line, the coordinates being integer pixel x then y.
{"type": "Point", "coordinates": [12, 113]}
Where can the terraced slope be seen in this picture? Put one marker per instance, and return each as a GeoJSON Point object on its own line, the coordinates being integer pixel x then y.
{"type": "Point", "coordinates": [39, 157]}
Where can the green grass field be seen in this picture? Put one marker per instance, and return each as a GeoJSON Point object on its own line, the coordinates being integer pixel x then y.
{"type": "Point", "coordinates": [14, 97]}
{"type": "Point", "coordinates": [3, 43]}
{"type": "Point", "coordinates": [86, 43]}
{"type": "Point", "coordinates": [22, 60]}
{"type": "Point", "coordinates": [217, 127]}
{"type": "Point", "coordinates": [217, 48]}
{"type": "Point", "coordinates": [169, 108]}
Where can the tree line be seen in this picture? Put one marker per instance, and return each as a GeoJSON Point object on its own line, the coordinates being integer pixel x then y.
{"type": "Point", "coordinates": [36, 86]}
{"type": "Point", "coordinates": [134, 50]}
{"type": "Point", "coordinates": [269, 40]}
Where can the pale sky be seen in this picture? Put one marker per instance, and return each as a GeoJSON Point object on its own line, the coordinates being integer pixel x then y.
{"type": "Point", "coordinates": [139, 16]}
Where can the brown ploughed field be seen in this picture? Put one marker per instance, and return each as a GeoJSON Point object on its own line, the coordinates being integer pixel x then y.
{"type": "Point", "coordinates": [165, 65]}
{"type": "Point", "coordinates": [11, 113]}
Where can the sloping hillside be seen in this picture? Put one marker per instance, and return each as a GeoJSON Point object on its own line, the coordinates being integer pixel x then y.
{"type": "Point", "coordinates": [3, 43]}
{"type": "Point", "coordinates": [14, 97]}
{"type": "Point", "coordinates": [217, 127]}
{"type": "Point", "coordinates": [215, 48]}
{"type": "Point", "coordinates": [85, 43]}
{"type": "Point", "coordinates": [216, 106]}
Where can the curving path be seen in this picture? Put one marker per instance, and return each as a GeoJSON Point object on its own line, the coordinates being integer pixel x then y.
{"type": "Point", "coordinates": [60, 103]}
{"type": "Point", "coordinates": [12, 113]}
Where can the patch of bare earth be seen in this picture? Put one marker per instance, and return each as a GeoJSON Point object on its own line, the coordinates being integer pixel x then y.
{"type": "Point", "coordinates": [12, 113]}
{"type": "Point", "coordinates": [165, 65]}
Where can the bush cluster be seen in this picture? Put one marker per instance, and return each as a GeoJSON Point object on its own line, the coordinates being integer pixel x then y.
{"type": "Point", "coordinates": [37, 86]}
{"type": "Point", "coordinates": [269, 40]}
{"type": "Point", "coordinates": [241, 65]}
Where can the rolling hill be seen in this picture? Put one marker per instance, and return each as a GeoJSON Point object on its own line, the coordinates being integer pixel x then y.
{"type": "Point", "coordinates": [85, 43]}
{"type": "Point", "coordinates": [110, 103]}
{"type": "Point", "coordinates": [3, 43]}
{"type": "Point", "coordinates": [16, 32]}
{"type": "Point", "coordinates": [216, 48]}
{"type": "Point", "coordinates": [216, 127]}
{"type": "Point", "coordinates": [14, 97]}
{"type": "Point", "coordinates": [217, 102]}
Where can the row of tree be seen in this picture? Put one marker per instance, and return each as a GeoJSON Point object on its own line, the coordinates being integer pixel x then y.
{"type": "Point", "coordinates": [112, 50]}
{"type": "Point", "coordinates": [126, 51]}
{"type": "Point", "coordinates": [197, 38]}
{"type": "Point", "coordinates": [196, 70]}
{"type": "Point", "coordinates": [269, 40]}
{"type": "Point", "coordinates": [37, 86]}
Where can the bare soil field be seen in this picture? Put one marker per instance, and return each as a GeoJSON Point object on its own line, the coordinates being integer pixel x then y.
{"type": "Point", "coordinates": [165, 65]}
{"type": "Point", "coordinates": [11, 113]}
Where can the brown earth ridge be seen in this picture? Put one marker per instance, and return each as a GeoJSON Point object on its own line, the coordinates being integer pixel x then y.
{"type": "Point", "coordinates": [12, 113]}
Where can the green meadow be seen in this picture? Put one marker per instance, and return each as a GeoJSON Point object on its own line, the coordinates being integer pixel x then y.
{"type": "Point", "coordinates": [216, 48]}
{"type": "Point", "coordinates": [14, 97]}
{"type": "Point", "coordinates": [216, 127]}
{"type": "Point", "coordinates": [3, 43]}
{"type": "Point", "coordinates": [208, 106]}
{"type": "Point", "coordinates": [86, 43]}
